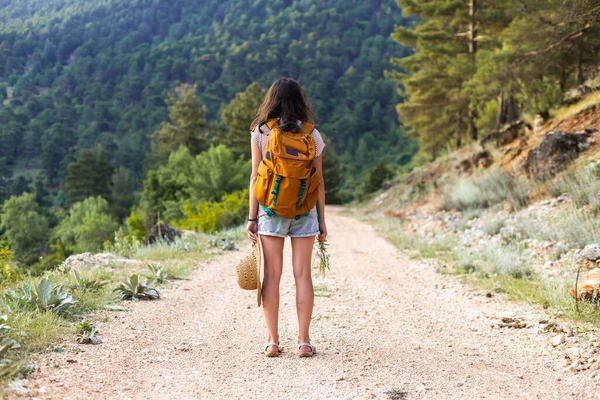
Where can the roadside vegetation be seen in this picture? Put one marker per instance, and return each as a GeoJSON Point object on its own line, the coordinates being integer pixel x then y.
{"type": "Point", "coordinates": [493, 235]}
{"type": "Point", "coordinates": [39, 312]}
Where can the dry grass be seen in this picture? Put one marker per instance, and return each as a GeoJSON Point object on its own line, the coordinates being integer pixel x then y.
{"type": "Point", "coordinates": [569, 111]}
{"type": "Point", "coordinates": [485, 189]}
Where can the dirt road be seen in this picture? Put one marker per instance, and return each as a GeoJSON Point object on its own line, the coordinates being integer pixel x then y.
{"type": "Point", "coordinates": [385, 327]}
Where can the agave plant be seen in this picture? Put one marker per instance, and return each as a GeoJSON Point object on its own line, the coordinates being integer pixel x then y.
{"type": "Point", "coordinates": [133, 288]}
{"type": "Point", "coordinates": [41, 297]}
{"type": "Point", "coordinates": [5, 342]}
{"type": "Point", "coordinates": [158, 275]}
{"type": "Point", "coordinates": [86, 284]}
{"type": "Point", "coordinates": [86, 333]}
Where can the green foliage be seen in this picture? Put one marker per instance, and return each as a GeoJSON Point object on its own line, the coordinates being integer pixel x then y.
{"type": "Point", "coordinates": [86, 333]}
{"type": "Point", "coordinates": [580, 185]}
{"type": "Point", "coordinates": [157, 273]}
{"type": "Point", "coordinates": [377, 176]}
{"type": "Point", "coordinates": [135, 225]}
{"type": "Point", "coordinates": [188, 127]}
{"type": "Point", "coordinates": [332, 173]}
{"type": "Point", "coordinates": [40, 296]}
{"type": "Point", "coordinates": [87, 225]}
{"type": "Point", "coordinates": [6, 271]}
{"type": "Point", "coordinates": [237, 117]}
{"type": "Point", "coordinates": [122, 198]}
{"type": "Point", "coordinates": [25, 229]}
{"type": "Point", "coordinates": [324, 261]}
{"type": "Point", "coordinates": [78, 87]}
{"type": "Point", "coordinates": [213, 216]}
{"type": "Point", "coordinates": [217, 172]}
{"type": "Point", "coordinates": [207, 177]}
{"type": "Point", "coordinates": [87, 284]}
{"type": "Point", "coordinates": [133, 288]}
{"type": "Point", "coordinates": [89, 176]}
{"type": "Point", "coordinates": [507, 58]}
{"type": "Point", "coordinates": [123, 244]}
{"type": "Point", "coordinates": [484, 190]}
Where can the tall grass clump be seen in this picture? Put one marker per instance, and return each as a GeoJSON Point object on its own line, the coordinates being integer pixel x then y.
{"type": "Point", "coordinates": [484, 190]}
{"type": "Point", "coordinates": [571, 225]}
{"type": "Point", "coordinates": [508, 260]}
{"type": "Point", "coordinates": [580, 185]}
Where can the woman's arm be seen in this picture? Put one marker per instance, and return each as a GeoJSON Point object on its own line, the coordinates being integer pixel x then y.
{"type": "Point", "coordinates": [321, 197]}
{"type": "Point", "coordinates": [252, 227]}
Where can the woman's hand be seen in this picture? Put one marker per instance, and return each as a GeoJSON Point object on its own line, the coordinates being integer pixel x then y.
{"type": "Point", "coordinates": [323, 229]}
{"type": "Point", "coordinates": [252, 230]}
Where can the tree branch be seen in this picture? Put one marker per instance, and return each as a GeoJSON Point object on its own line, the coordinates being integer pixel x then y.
{"type": "Point", "coordinates": [570, 36]}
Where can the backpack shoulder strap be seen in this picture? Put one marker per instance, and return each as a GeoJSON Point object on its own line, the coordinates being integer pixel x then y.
{"type": "Point", "coordinates": [308, 128]}
{"type": "Point", "coordinates": [271, 123]}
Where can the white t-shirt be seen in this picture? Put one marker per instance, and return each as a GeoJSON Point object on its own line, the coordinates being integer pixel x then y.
{"type": "Point", "coordinates": [260, 139]}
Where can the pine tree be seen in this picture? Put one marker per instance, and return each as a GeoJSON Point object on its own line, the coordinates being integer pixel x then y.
{"type": "Point", "coordinates": [436, 107]}
{"type": "Point", "coordinates": [237, 117]}
{"type": "Point", "coordinates": [188, 126]}
{"type": "Point", "coordinates": [89, 176]}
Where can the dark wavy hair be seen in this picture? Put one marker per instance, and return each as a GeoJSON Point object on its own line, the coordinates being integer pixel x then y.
{"type": "Point", "coordinates": [285, 100]}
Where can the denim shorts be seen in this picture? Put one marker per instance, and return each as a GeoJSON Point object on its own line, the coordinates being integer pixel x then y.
{"type": "Point", "coordinates": [282, 227]}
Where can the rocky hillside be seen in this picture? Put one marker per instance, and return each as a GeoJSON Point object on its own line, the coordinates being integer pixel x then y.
{"type": "Point", "coordinates": [518, 216]}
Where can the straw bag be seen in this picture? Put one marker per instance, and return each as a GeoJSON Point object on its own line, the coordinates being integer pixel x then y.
{"type": "Point", "coordinates": [248, 272]}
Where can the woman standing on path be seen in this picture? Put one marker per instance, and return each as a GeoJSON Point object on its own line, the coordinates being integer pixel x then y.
{"type": "Point", "coordinates": [286, 112]}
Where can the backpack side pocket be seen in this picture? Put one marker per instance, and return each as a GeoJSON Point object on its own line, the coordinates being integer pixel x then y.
{"type": "Point", "coordinates": [264, 180]}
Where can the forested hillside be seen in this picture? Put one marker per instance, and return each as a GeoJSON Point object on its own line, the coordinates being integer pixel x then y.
{"type": "Point", "coordinates": [122, 113]}
{"type": "Point", "coordinates": [480, 65]}
{"type": "Point", "coordinates": [85, 73]}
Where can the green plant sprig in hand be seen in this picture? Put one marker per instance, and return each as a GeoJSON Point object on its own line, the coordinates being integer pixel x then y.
{"type": "Point", "coordinates": [324, 263]}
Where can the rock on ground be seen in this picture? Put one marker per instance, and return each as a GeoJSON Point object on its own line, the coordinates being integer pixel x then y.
{"type": "Point", "coordinates": [554, 152]}
{"type": "Point", "coordinates": [85, 261]}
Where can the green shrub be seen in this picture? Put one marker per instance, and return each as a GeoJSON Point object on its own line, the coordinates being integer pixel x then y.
{"type": "Point", "coordinates": [7, 273]}
{"type": "Point", "coordinates": [133, 288]}
{"type": "Point", "coordinates": [484, 190]}
{"type": "Point", "coordinates": [572, 225]}
{"type": "Point", "coordinates": [580, 185]}
{"type": "Point", "coordinates": [43, 296]}
{"type": "Point", "coordinates": [508, 260]}
{"type": "Point", "coordinates": [493, 226]}
{"type": "Point", "coordinates": [86, 284]}
{"type": "Point", "coordinates": [211, 216]}
{"type": "Point", "coordinates": [24, 228]}
{"type": "Point", "coordinates": [88, 225]}
{"type": "Point", "coordinates": [376, 177]}
{"type": "Point", "coordinates": [123, 244]}
{"type": "Point", "coordinates": [135, 224]}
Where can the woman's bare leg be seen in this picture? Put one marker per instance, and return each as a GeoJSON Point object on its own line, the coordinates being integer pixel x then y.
{"type": "Point", "coordinates": [305, 295]}
{"type": "Point", "coordinates": [273, 256]}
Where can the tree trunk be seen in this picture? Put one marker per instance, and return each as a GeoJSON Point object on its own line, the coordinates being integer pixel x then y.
{"type": "Point", "coordinates": [459, 129]}
{"type": "Point", "coordinates": [473, 28]}
{"type": "Point", "coordinates": [580, 78]}
{"type": "Point", "coordinates": [473, 51]}
{"type": "Point", "coordinates": [472, 127]}
{"type": "Point", "coordinates": [507, 110]}
{"type": "Point", "coordinates": [501, 116]}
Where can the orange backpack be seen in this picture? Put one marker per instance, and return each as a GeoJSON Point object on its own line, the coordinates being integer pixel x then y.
{"type": "Point", "coordinates": [287, 183]}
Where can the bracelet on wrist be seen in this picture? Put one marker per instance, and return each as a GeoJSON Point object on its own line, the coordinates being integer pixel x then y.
{"type": "Point", "coordinates": [252, 219]}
